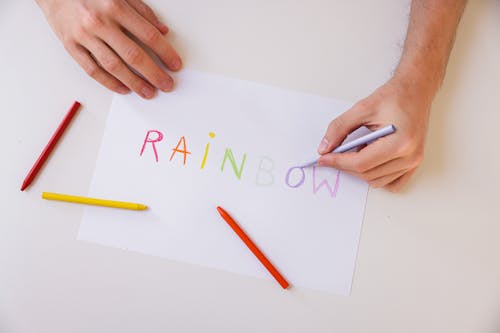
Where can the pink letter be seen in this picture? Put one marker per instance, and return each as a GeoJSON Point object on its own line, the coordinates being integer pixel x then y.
{"type": "Point", "coordinates": [332, 191]}
{"type": "Point", "coordinates": [159, 137]}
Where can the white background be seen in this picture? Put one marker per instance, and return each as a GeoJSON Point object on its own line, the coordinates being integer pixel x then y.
{"type": "Point", "coordinates": [428, 258]}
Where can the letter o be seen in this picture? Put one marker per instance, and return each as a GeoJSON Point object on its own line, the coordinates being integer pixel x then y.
{"type": "Point", "coordinates": [300, 182]}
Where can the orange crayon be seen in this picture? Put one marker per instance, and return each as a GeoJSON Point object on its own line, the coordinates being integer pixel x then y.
{"type": "Point", "coordinates": [255, 250]}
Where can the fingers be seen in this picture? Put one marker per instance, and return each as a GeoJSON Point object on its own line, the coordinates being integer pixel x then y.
{"type": "Point", "coordinates": [387, 179]}
{"type": "Point", "coordinates": [387, 168]}
{"type": "Point", "coordinates": [398, 184]}
{"type": "Point", "coordinates": [151, 37]}
{"type": "Point", "coordinates": [392, 181]}
{"type": "Point", "coordinates": [114, 65]}
{"type": "Point", "coordinates": [148, 14]}
{"type": "Point", "coordinates": [340, 127]}
{"type": "Point", "coordinates": [138, 59]}
{"type": "Point", "coordinates": [385, 163]}
{"type": "Point", "coordinates": [92, 68]}
{"type": "Point", "coordinates": [390, 161]}
{"type": "Point", "coordinates": [371, 156]}
{"type": "Point", "coordinates": [94, 33]}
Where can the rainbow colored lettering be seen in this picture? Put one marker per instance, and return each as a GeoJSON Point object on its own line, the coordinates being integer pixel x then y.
{"type": "Point", "coordinates": [295, 176]}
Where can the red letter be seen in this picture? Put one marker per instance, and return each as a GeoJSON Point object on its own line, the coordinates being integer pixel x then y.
{"type": "Point", "coordinates": [159, 137]}
{"type": "Point", "coordinates": [183, 151]}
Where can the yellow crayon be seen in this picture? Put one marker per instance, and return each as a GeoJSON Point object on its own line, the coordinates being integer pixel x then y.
{"type": "Point", "coordinates": [93, 201]}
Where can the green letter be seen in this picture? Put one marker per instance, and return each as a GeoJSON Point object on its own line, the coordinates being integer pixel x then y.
{"type": "Point", "coordinates": [229, 155]}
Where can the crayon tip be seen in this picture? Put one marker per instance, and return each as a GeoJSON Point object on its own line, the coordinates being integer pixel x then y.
{"type": "Point", "coordinates": [221, 210]}
{"type": "Point", "coordinates": [24, 186]}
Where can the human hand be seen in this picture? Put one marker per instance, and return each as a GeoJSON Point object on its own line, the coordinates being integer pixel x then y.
{"type": "Point", "coordinates": [94, 32]}
{"type": "Point", "coordinates": [390, 161]}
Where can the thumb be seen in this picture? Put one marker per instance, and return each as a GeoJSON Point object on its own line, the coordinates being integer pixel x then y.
{"type": "Point", "coordinates": [340, 127]}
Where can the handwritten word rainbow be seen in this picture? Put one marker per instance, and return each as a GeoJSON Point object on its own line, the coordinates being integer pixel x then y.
{"type": "Point", "coordinates": [295, 176]}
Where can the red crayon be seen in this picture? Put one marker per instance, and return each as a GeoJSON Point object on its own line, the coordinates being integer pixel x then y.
{"type": "Point", "coordinates": [255, 250]}
{"type": "Point", "coordinates": [50, 146]}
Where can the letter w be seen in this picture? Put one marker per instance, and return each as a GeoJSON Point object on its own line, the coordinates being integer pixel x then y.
{"type": "Point", "coordinates": [324, 183]}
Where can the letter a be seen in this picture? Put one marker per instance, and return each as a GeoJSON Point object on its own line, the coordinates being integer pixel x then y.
{"type": "Point", "coordinates": [184, 151]}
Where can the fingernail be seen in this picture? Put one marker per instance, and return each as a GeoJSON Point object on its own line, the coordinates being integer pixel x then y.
{"type": "Point", "coordinates": [163, 28]}
{"type": "Point", "coordinates": [175, 64]}
{"type": "Point", "coordinates": [323, 146]}
{"type": "Point", "coordinates": [166, 85]}
{"type": "Point", "coordinates": [122, 90]}
{"type": "Point", "coordinates": [147, 92]}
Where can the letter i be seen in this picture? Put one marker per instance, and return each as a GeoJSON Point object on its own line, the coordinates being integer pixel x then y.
{"type": "Point", "coordinates": [207, 147]}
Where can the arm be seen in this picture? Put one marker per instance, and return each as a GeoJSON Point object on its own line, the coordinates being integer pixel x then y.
{"type": "Point", "coordinates": [404, 101]}
{"type": "Point", "coordinates": [97, 35]}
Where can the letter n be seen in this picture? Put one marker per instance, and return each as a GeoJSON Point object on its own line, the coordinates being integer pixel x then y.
{"type": "Point", "coordinates": [229, 155]}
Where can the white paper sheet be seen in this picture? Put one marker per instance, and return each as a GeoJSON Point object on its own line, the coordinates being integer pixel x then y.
{"type": "Point", "coordinates": [308, 229]}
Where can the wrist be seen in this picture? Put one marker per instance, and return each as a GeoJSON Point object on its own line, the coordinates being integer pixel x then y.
{"type": "Point", "coordinates": [418, 80]}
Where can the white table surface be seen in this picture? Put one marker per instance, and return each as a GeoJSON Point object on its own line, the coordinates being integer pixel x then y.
{"type": "Point", "coordinates": [429, 258]}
